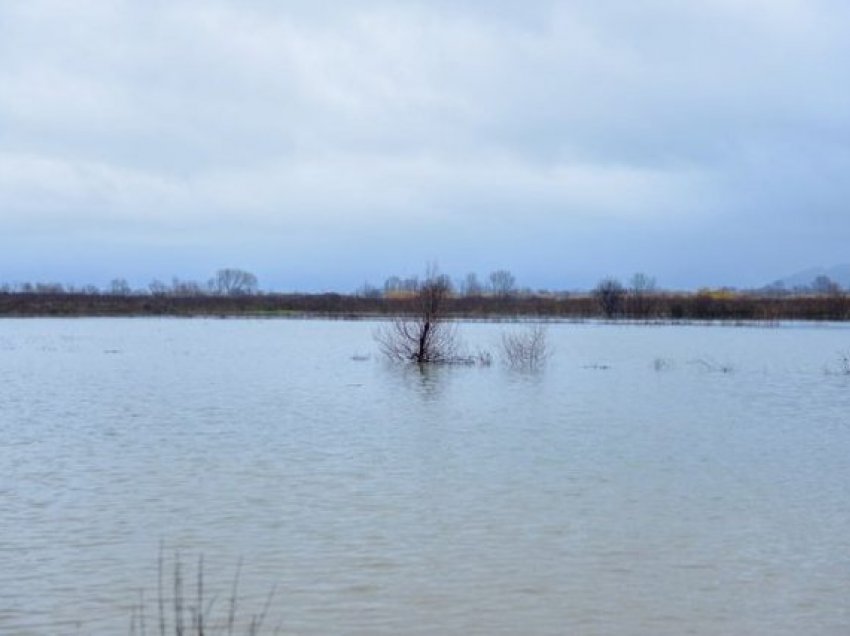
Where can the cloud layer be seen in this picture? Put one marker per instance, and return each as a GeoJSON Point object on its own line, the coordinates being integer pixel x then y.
{"type": "Point", "coordinates": [704, 142]}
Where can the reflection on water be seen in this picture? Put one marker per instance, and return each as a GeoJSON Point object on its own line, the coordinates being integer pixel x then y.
{"type": "Point", "coordinates": [609, 494]}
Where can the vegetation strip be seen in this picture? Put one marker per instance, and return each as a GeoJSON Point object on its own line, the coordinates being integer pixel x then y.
{"type": "Point", "coordinates": [661, 306]}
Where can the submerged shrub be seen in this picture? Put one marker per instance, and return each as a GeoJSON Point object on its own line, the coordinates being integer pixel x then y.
{"type": "Point", "coordinates": [526, 350]}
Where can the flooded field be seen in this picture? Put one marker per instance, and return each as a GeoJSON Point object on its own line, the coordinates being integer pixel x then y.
{"type": "Point", "coordinates": [649, 480]}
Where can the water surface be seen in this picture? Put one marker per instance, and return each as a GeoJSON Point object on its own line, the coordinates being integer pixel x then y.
{"type": "Point", "coordinates": [651, 480]}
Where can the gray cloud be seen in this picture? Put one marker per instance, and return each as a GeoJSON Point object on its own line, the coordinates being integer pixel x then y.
{"type": "Point", "coordinates": [566, 140]}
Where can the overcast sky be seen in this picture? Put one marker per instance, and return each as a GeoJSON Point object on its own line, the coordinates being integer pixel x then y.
{"type": "Point", "coordinates": [704, 142]}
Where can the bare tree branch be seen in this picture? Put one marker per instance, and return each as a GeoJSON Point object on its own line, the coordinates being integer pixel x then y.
{"type": "Point", "coordinates": [527, 350]}
{"type": "Point", "coordinates": [424, 336]}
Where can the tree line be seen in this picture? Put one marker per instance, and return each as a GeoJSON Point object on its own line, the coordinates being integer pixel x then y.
{"type": "Point", "coordinates": [500, 282]}
{"type": "Point", "coordinates": [225, 282]}
{"type": "Point", "coordinates": [234, 291]}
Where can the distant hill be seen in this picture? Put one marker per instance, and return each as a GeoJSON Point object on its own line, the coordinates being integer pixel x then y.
{"type": "Point", "coordinates": [838, 273]}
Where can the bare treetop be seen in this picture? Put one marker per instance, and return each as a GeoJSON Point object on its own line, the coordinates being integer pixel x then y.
{"type": "Point", "coordinates": [425, 336]}
{"type": "Point", "coordinates": [502, 282]}
{"type": "Point", "coordinates": [233, 282]}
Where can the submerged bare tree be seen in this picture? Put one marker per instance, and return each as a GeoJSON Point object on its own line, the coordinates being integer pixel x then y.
{"type": "Point", "coordinates": [526, 350]}
{"type": "Point", "coordinates": [424, 335]}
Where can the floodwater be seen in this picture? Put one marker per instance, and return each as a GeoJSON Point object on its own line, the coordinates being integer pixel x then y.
{"type": "Point", "coordinates": [650, 480]}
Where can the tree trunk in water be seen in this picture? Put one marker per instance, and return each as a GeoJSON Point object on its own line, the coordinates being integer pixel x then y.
{"type": "Point", "coordinates": [421, 356]}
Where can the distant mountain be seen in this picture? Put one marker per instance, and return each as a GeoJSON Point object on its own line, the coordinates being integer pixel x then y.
{"type": "Point", "coordinates": [839, 273]}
